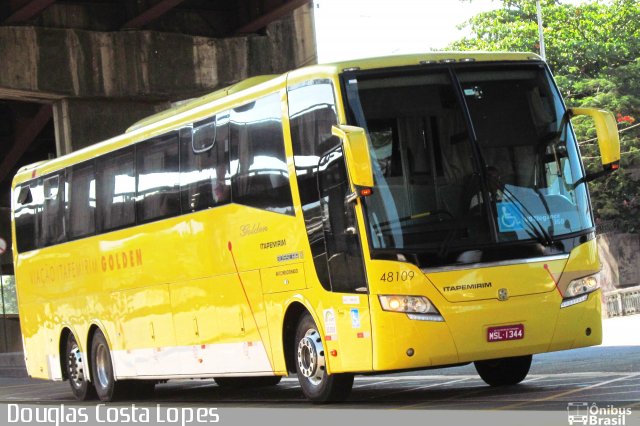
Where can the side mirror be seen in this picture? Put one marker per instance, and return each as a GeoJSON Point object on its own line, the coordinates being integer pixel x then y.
{"type": "Point", "coordinates": [356, 151]}
{"type": "Point", "coordinates": [607, 132]}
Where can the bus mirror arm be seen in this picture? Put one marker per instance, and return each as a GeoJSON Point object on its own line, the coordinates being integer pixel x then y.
{"type": "Point", "coordinates": [351, 198]}
{"type": "Point", "coordinates": [589, 177]}
{"type": "Point", "coordinates": [356, 150]}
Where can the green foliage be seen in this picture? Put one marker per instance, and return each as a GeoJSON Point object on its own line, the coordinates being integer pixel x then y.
{"type": "Point", "coordinates": [593, 50]}
{"type": "Point", "coordinates": [8, 283]}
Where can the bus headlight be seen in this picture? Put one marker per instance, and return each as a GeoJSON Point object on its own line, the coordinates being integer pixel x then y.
{"type": "Point", "coordinates": [582, 285]}
{"type": "Point", "coordinates": [408, 304]}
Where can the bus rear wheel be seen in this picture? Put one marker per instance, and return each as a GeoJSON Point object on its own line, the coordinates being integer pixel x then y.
{"type": "Point", "coordinates": [247, 382]}
{"type": "Point", "coordinates": [107, 388]}
{"type": "Point", "coordinates": [77, 369]}
{"type": "Point", "coordinates": [317, 385]}
{"type": "Point", "coordinates": [504, 371]}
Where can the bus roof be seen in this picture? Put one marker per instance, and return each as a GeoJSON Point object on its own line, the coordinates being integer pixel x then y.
{"type": "Point", "coordinates": [185, 106]}
{"type": "Point", "coordinates": [151, 122]}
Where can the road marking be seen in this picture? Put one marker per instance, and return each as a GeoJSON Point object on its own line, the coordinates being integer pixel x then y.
{"type": "Point", "coordinates": [422, 377]}
{"type": "Point", "coordinates": [620, 393]}
{"type": "Point", "coordinates": [454, 398]}
{"type": "Point", "coordinates": [533, 379]}
{"type": "Point", "coordinates": [417, 388]}
{"type": "Point", "coordinates": [359, 386]}
{"type": "Point", "coordinates": [31, 392]}
{"type": "Point", "coordinates": [569, 392]}
{"type": "Point", "coordinates": [563, 376]}
{"type": "Point", "coordinates": [632, 385]}
{"type": "Point", "coordinates": [31, 385]}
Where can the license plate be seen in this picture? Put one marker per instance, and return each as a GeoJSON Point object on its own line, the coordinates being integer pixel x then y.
{"type": "Point", "coordinates": [505, 332]}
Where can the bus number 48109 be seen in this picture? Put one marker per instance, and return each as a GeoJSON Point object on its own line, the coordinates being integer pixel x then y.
{"type": "Point", "coordinates": [397, 276]}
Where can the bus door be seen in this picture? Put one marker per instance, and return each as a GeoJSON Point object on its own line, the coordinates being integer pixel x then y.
{"type": "Point", "coordinates": [346, 273]}
{"type": "Point", "coordinates": [331, 225]}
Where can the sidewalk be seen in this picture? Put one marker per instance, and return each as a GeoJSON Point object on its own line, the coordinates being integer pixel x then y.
{"type": "Point", "coordinates": [12, 365]}
{"type": "Point", "coordinates": [621, 331]}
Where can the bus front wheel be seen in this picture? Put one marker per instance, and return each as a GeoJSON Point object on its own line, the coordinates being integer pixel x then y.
{"type": "Point", "coordinates": [504, 371]}
{"type": "Point", "coordinates": [77, 369]}
{"type": "Point", "coordinates": [317, 385]}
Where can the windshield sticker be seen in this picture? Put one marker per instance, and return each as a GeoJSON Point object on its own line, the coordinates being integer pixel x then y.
{"type": "Point", "coordinates": [509, 218]}
{"type": "Point", "coordinates": [351, 300]}
{"type": "Point", "coordinates": [290, 256]}
{"type": "Point", "coordinates": [355, 318]}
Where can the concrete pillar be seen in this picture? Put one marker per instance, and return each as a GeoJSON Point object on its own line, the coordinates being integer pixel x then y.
{"type": "Point", "coordinates": [83, 122]}
{"type": "Point", "coordinates": [5, 234]}
{"type": "Point", "coordinates": [305, 36]}
{"type": "Point", "coordinates": [6, 262]}
{"type": "Point", "coordinates": [10, 340]}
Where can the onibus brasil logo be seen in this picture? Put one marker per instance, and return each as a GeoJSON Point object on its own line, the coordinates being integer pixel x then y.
{"type": "Point", "coordinates": [583, 413]}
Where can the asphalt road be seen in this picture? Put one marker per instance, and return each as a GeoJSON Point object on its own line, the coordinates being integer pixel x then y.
{"type": "Point", "coordinates": [607, 376]}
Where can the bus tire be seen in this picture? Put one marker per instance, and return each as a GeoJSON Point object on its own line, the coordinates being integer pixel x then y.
{"type": "Point", "coordinates": [77, 369]}
{"type": "Point", "coordinates": [107, 388]}
{"type": "Point", "coordinates": [247, 382]}
{"type": "Point", "coordinates": [504, 371]}
{"type": "Point", "coordinates": [316, 384]}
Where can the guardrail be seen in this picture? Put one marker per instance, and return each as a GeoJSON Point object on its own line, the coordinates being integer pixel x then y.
{"type": "Point", "coordinates": [622, 302]}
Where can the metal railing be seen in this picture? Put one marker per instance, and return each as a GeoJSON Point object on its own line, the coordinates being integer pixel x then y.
{"type": "Point", "coordinates": [622, 302]}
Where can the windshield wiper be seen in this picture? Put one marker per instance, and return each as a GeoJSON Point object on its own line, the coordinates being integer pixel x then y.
{"type": "Point", "coordinates": [543, 200]}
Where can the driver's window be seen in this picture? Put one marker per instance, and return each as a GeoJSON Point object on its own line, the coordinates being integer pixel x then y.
{"type": "Point", "coordinates": [557, 171]}
{"type": "Point", "coordinates": [339, 224]}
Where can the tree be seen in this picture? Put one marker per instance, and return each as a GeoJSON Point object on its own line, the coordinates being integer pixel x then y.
{"type": "Point", "coordinates": [8, 283]}
{"type": "Point", "coordinates": [593, 49]}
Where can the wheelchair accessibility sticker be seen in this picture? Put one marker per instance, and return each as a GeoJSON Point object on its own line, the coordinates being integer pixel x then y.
{"type": "Point", "coordinates": [509, 218]}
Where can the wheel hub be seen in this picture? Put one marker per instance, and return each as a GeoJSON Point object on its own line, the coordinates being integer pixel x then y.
{"type": "Point", "coordinates": [311, 360]}
{"type": "Point", "coordinates": [76, 366]}
{"type": "Point", "coordinates": [103, 366]}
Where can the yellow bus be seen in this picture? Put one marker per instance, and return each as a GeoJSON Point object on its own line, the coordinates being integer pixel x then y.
{"type": "Point", "coordinates": [362, 217]}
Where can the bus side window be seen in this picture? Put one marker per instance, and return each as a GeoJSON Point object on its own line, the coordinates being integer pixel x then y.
{"type": "Point", "coordinates": [116, 190]}
{"type": "Point", "coordinates": [157, 166]}
{"type": "Point", "coordinates": [52, 223]}
{"type": "Point", "coordinates": [204, 163]}
{"type": "Point", "coordinates": [81, 203]}
{"type": "Point", "coordinates": [260, 177]}
{"type": "Point", "coordinates": [25, 205]}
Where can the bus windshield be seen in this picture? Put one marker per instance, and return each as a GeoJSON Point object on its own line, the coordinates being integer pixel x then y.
{"type": "Point", "coordinates": [468, 158]}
